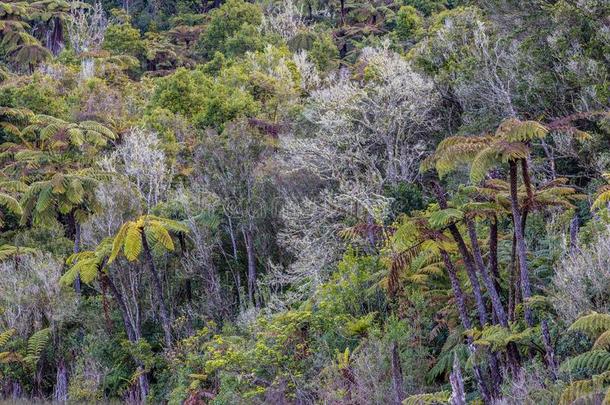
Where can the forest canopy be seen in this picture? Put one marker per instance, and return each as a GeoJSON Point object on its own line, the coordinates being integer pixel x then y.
{"type": "Point", "coordinates": [305, 202]}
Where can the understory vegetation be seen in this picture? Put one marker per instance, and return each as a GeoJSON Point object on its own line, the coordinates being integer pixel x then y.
{"type": "Point", "coordinates": [305, 202]}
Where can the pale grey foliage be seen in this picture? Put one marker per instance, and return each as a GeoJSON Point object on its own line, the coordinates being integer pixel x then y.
{"type": "Point", "coordinates": [31, 295]}
{"type": "Point", "coordinates": [87, 28]}
{"type": "Point", "coordinates": [141, 159]}
{"type": "Point", "coordinates": [364, 136]}
{"type": "Point", "coordinates": [581, 282]}
{"type": "Point", "coordinates": [284, 19]}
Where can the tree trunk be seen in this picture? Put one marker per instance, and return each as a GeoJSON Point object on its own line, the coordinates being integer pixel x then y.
{"type": "Point", "coordinates": [521, 249]}
{"type": "Point", "coordinates": [527, 182]}
{"type": "Point", "coordinates": [130, 329]}
{"type": "Point", "coordinates": [163, 313]}
{"type": "Point", "coordinates": [489, 284]}
{"type": "Point", "coordinates": [249, 241]}
{"type": "Point", "coordinates": [466, 257]}
{"type": "Point", "coordinates": [549, 352]}
{"type": "Point", "coordinates": [493, 253]}
{"type": "Point", "coordinates": [55, 38]}
{"type": "Point", "coordinates": [397, 381]}
{"type": "Point", "coordinates": [133, 334]}
{"type": "Point", "coordinates": [458, 395]}
{"type": "Point", "coordinates": [60, 393]}
{"type": "Point", "coordinates": [457, 290]}
{"type": "Point", "coordinates": [574, 235]}
{"type": "Point", "coordinates": [463, 313]}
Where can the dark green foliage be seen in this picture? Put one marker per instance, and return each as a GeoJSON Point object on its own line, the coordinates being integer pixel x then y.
{"type": "Point", "coordinates": [232, 30]}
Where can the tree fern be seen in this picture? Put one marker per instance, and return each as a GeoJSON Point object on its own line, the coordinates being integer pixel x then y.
{"type": "Point", "coordinates": [498, 338]}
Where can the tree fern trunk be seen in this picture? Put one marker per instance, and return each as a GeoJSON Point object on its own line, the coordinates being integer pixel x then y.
{"type": "Point", "coordinates": [129, 328]}
{"type": "Point", "coordinates": [489, 284]}
{"type": "Point", "coordinates": [60, 393]}
{"type": "Point", "coordinates": [521, 249]}
{"type": "Point", "coordinates": [397, 380]}
{"type": "Point", "coordinates": [466, 257]}
{"type": "Point", "coordinates": [549, 351]}
{"type": "Point", "coordinates": [163, 313]}
{"type": "Point", "coordinates": [458, 395]}
{"type": "Point", "coordinates": [466, 323]}
{"type": "Point", "coordinates": [493, 253]}
{"type": "Point", "coordinates": [457, 291]}
{"type": "Point", "coordinates": [527, 182]}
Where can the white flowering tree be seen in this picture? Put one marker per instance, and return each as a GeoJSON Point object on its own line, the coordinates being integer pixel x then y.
{"type": "Point", "coordinates": [361, 135]}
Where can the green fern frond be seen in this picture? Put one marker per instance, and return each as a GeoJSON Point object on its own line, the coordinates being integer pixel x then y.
{"type": "Point", "coordinates": [445, 217]}
{"type": "Point", "coordinates": [434, 398]}
{"type": "Point", "coordinates": [515, 130]}
{"type": "Point", "coordinates": [98, 128]}
{"type": "Point", "coordinates": [602, 198]}
{"type": "Point", "coordinates": [497, 338]}
{"type": "Point", "coordinates": [160, 234]}
{"type": "Point", "coordinates": [593, 324]}
{"type": "Point", "coordinates": [133, 242]}
{"type": "Point", "coordinates": [444, 364]}
{"type": "Point", "coordinates": [603, 341]}
{"type": "Point", "coordinates": [592, 362]}
{"type": "Point", "coordinates": [7, 251]}
{"type": "Point", "coordinates": [45, 199]}
{"type": "Point", "coordinates": [5, 336]}
{"type": "Point", "coordinates": [482, 163]}
{"type": "Point", "coordinates": [576, 390]}
{"type": "Point", "coordinates": [36, 344]}
{"type": "Point", "coordinates": [118, 241]}
{"type": "Point", "coordinates": [11, 204]}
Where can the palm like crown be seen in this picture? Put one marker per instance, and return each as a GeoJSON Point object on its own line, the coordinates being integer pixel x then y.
{"type": "Point", "coordinates": [156, 230]}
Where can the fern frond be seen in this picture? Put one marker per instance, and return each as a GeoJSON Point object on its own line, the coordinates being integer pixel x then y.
{"type": "Point", "coordinates": [441, 218]}
{"type": "Point", "coordinates": [133, 242]}
{"type": "Point", "coordinates": [5, 336]}
{"type": "Point", "coordinates": [591, 362]}
{"type": "Point", "coordinates": [118, 241]}
{"type": "Point", "coordinates": [160, 234]}
{"type": "Point", "coordinates": [514, 130]}
{"type": "Point", "coordinates": [7, 251]}
{"type": "Point", "coordinates": [603, 341]}
{"type": "Point", "coordinates": [593, 324]}
{"type": "Point", "coordinates": [11, 204]}
{"type": "Point", "coordinates": [97, 127]}
{"type": "Point", "coordinates": [579, 389]}
{"type": "Point", "coordinates": [36, 344]}
{"type": "Point", "coordinates": [435, 398]}
{"type": "Point", "coordinates": [602, 199]}
{"type": "Point", "coordinates": [482, 163]}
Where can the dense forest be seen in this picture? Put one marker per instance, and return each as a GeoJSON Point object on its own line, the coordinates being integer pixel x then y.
{"type": "Point", "coordinates": [305, 201]}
